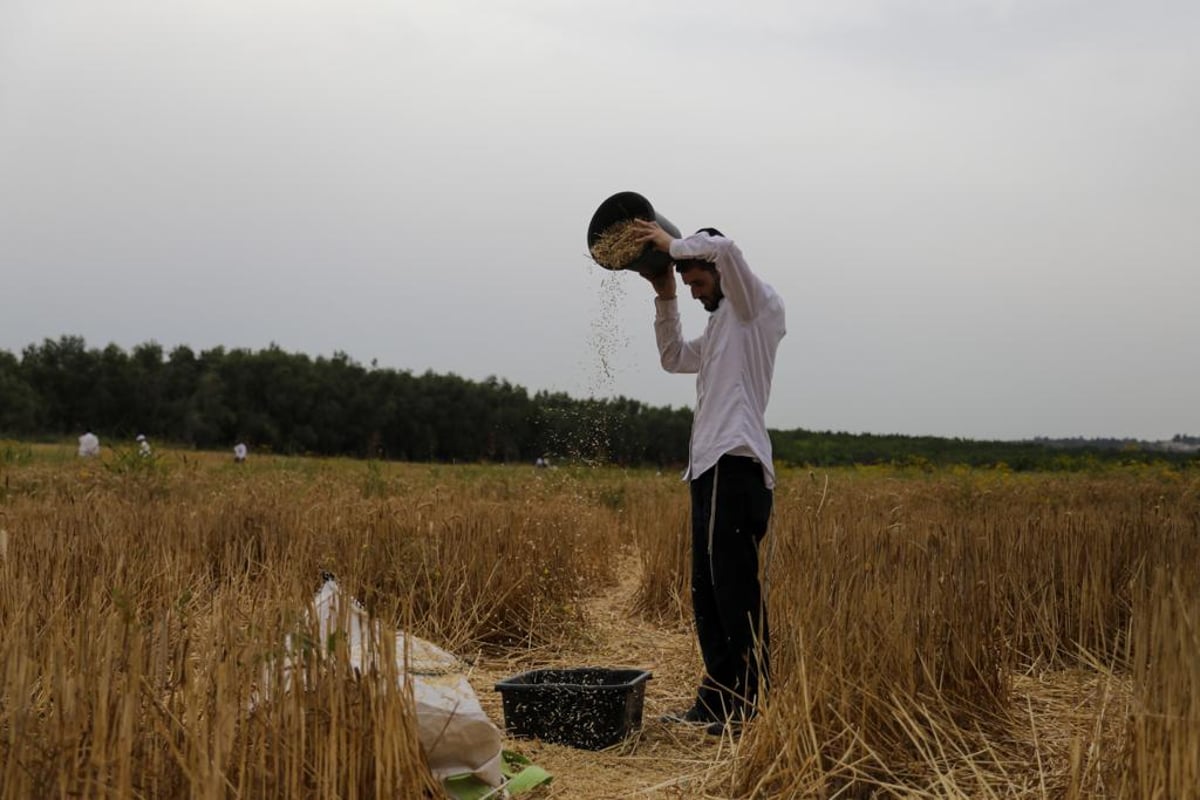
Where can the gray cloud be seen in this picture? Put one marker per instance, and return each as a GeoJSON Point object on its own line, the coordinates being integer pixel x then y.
{"type": "Point", "coordinates": [980, 213]}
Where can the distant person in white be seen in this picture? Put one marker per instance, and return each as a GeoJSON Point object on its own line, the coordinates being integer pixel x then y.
{"type": "Point", "coordinates": [89, 445]}
{"type": "Point", "coordinates": [143, 446]}
{"type": "Point", "coordinates": [731, 475]}
{"type": "Point", "coordinates": [239, 453]}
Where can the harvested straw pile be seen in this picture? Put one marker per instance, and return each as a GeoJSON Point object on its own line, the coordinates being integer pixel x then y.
{"type": "Point", "coordinates": [617, 246]}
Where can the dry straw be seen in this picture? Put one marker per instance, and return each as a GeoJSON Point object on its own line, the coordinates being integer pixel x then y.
{"type": "Point", "coordinates": [617, 246]}
{"type": "Point", "coordinates": [956, 634]}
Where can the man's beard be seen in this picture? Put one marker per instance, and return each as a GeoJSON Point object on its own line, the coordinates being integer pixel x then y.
{"type": "Point", "coordinates": [716, 301]}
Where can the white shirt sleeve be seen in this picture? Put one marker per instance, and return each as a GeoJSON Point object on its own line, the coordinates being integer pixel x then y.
{"type": "Point", "coordinates": [675, 354]}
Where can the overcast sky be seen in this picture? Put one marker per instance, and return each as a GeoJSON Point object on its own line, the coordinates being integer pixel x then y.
{"type": "Point", "coordinates": [983, 215]}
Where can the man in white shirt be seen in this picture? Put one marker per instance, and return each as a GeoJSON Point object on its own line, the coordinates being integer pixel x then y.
{"type": "Point", "coordinates": [731, 474]}
{"type": "Point", "coordinates": [239, 453]}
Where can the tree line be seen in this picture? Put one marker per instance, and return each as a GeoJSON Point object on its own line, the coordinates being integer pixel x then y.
{"type": "Point", "coordinates": [831, 448]}
{"type": "Point", "coordinates": [290, 403]}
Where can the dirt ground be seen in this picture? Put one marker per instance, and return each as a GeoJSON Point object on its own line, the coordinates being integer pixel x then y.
{"type": "Point", "coordinates": [659, 760]}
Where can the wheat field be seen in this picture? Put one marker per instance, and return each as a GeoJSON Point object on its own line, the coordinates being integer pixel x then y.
{"type": "Point", "coordinates": [951, 633]}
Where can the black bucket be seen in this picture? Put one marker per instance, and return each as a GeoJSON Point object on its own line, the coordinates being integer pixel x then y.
{"type": "Point", "coordinates": [631, 205]}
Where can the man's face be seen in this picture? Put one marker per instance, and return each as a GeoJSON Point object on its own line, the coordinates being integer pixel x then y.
{"type": "Point", "coordinates": [705, 284]}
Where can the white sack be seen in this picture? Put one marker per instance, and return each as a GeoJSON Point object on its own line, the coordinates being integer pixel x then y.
{"type": "Point", "coordinates": [454, 730]}
{"type": "Point", "coordinates": [89, 445]}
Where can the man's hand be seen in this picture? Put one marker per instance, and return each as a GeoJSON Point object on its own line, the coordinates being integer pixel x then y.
{"type": "Point", "coordinates": [652, 232]}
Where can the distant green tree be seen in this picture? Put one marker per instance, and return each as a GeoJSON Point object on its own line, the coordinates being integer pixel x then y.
{"type": "Point", "coordinates": [113, 392]}
{"type": "Point", "coordinates": [208, 420]}
{"type": "Point", "coordinates": [18, 401]}
{"type": "Point", "coordinates": [148, 398]}
{"type": "Point", "coordinates": [181, 377]}
{"type": "Point", "coordinates": [63, 374]}
{"type": "Point", "coordinates": [291, 403]}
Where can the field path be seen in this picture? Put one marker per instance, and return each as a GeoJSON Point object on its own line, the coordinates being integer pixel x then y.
{"type": "Point", "coordinates": [660, 760]}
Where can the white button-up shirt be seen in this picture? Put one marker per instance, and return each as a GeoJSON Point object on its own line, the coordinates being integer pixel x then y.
{"type": "Point", "coordinates": [734, 359]}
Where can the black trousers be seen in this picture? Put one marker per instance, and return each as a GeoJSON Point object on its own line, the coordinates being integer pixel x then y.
{"type": "Point", "coordinates": [731, 507]}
